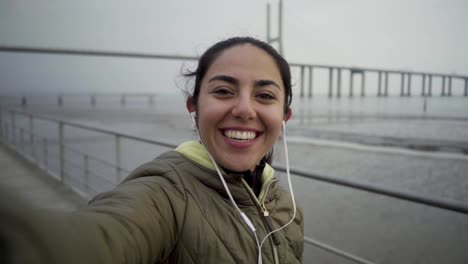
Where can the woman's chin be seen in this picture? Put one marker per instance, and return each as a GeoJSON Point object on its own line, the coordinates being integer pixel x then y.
{"type": "Point", "coordinates": [239, 167]}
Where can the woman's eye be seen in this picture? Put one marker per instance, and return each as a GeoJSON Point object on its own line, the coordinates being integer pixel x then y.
{"type": "Point", "coordinates": [266, 96]}
{"type": "Point", "coordinates": [221, 91]}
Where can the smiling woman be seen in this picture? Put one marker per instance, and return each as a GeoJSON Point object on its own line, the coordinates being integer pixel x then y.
{"type": "Point", "coordinates": [240, 107]}
{"type": "Point", "coordinates": [213, 201]}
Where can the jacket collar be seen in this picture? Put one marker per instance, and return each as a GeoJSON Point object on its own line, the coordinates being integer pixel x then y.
{"type": "Point", "coordinates": [198, 154]}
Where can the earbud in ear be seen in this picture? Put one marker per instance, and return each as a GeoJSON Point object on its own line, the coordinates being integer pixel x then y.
{"type": "Point", "coordinates": [193, 115]}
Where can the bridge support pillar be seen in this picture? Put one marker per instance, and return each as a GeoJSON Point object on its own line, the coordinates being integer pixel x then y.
{"type": "Point", "coordinates": [302, 81]}
{"type": "Point", "coordinates": [122, 100]}
{"type": "Point", "coordinates": [310, 80]}
{"type": "Point", "coordinates": [429, 92]}
{"type": "Point", "coordinates": [338, 83]}
{"type": "Point", "coordinates": [423, 85]}
{"type": "Point", "coordinates": [408, 93]}
{"type": "Point", "coordinates": [93, 100]}
{"type": "Point", "coordinates": [402, 87]}
{"type": "Point", "coordinates": [363, 84]}
{"type": "Point", "coordinates": [379, 84]}
{"type": "Point", "coordinates": [386, 84]}
{"type": "Point", "coordinates": [443, 86]}
{"type": "Point", "coordinates": [466, 86]}
{"type": "Point", "coordinates": [60, 100]}
{"type": "Point", "coordinates": [449, 92]}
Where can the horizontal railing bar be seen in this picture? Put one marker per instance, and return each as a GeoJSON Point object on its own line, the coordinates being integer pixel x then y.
{"type": "Point", "coordinates": [336, 251]}
{"type": "Point", "coordinates": [439, 203]}
{"type": "Point", "coordinates": [100, 130]}
{"type": "Point", "coordinates": [91, 157]}
{"type": "Point", "coordinates": [86, 95]}
{"type": "Point", "coordinates": [101, 53]}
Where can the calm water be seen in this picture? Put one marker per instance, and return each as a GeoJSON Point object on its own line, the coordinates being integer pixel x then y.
{"type": "Point", "coordinates": [441, 107]}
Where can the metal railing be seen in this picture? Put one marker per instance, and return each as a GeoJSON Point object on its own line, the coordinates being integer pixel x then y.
{"type": "Point", "coordinates": [30, 145]}
{"type": "Point", "coordinates": [91, 182]}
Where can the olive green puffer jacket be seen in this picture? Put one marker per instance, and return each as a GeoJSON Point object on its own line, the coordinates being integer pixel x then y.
{"type": "Point", "coordinates": [176, 210]}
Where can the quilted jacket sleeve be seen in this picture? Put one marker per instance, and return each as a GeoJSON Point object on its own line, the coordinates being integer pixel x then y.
{"type": "Point", "coordinates": [137, 222]}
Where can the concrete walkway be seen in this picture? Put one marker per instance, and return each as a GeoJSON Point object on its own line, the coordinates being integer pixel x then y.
{"type": "Point", "coordinates": [33, 185]}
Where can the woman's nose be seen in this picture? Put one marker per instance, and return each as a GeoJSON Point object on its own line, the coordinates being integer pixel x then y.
{"type": "Point", "coordinates": [244, 108]}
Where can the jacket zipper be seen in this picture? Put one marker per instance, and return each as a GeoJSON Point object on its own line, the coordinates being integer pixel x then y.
{"type": "Point", "coordinates": [265, 216]}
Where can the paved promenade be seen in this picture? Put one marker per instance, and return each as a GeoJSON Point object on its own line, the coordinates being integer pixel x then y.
{"type": "Point", "coordinates": [33, 185]}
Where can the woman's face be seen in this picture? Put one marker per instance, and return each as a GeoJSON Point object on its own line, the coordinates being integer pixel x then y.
{"type": "Point", "coordinates": [240, 107]}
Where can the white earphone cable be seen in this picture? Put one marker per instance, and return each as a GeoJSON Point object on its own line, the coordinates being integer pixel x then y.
{"type": "Point", "coordinates": [290, 187]}
{"type": "Point", "coordinates": [242, 214]}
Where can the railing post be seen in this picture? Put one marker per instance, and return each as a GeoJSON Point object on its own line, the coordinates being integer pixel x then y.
{"type": "Point", "coordinates": [6, 132]}
{"type": "Point", "coordinates": [31, 137]}
{"type": "Point", "coordinates": [1, 124]}
{"type": "Point", "coordinates": [46, 153]}
{"type": "Point", "coordinates": [151, 99]}
{"type": "Point", "coordinates": [62, 152]}
{"type": "Point", "coordinates": [13, 127]}
{"type": "Point", "coordinates": [330, 82]}
{"type": "Point", "coordinates": [118, 159]}
{"type": "Point", "coordinates": [310, 80]}
{"type": "Point", "coordinates": [21, 143]}
{"type": "Point", "coordinates": [86, 172]}
{"type": "Point", "coordinates": [302, 81]}
{"type": "Point", "coordinates": [351, 75]}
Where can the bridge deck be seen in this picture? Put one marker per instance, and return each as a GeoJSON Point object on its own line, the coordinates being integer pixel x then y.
{"type": "Point", "coordinates": [33, 185]}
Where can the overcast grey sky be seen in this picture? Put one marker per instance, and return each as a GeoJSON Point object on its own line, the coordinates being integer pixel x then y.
{"type": "Point", "coordinates": [423, 35]}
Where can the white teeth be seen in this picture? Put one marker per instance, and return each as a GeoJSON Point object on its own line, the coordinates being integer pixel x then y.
{"type": "Point", "coordinates": [240, 135]}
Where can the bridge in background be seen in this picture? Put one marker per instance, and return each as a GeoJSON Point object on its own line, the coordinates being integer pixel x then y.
{"type": "Point", "coordinates": [306, 73]}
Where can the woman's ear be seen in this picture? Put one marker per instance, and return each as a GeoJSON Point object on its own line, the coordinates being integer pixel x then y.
{"type": "Point", "coordinates": [288, 114]}
{"type": "Point", "coordinates": [190, 105]}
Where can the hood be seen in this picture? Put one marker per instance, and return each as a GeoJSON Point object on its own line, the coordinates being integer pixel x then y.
{"type": "Point", "coordinates": [197, 153]}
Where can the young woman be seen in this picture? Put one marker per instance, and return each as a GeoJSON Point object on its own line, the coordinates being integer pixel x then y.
{"type": "Point", "coordinates": [215, 200]}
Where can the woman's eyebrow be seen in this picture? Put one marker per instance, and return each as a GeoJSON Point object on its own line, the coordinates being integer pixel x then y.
{"type": "Point", "coordinates": [266, 83]}
{"type": "Point", "coordinates": [224, 78]}
{"type": "Point", "coordinates": [232, 80]}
